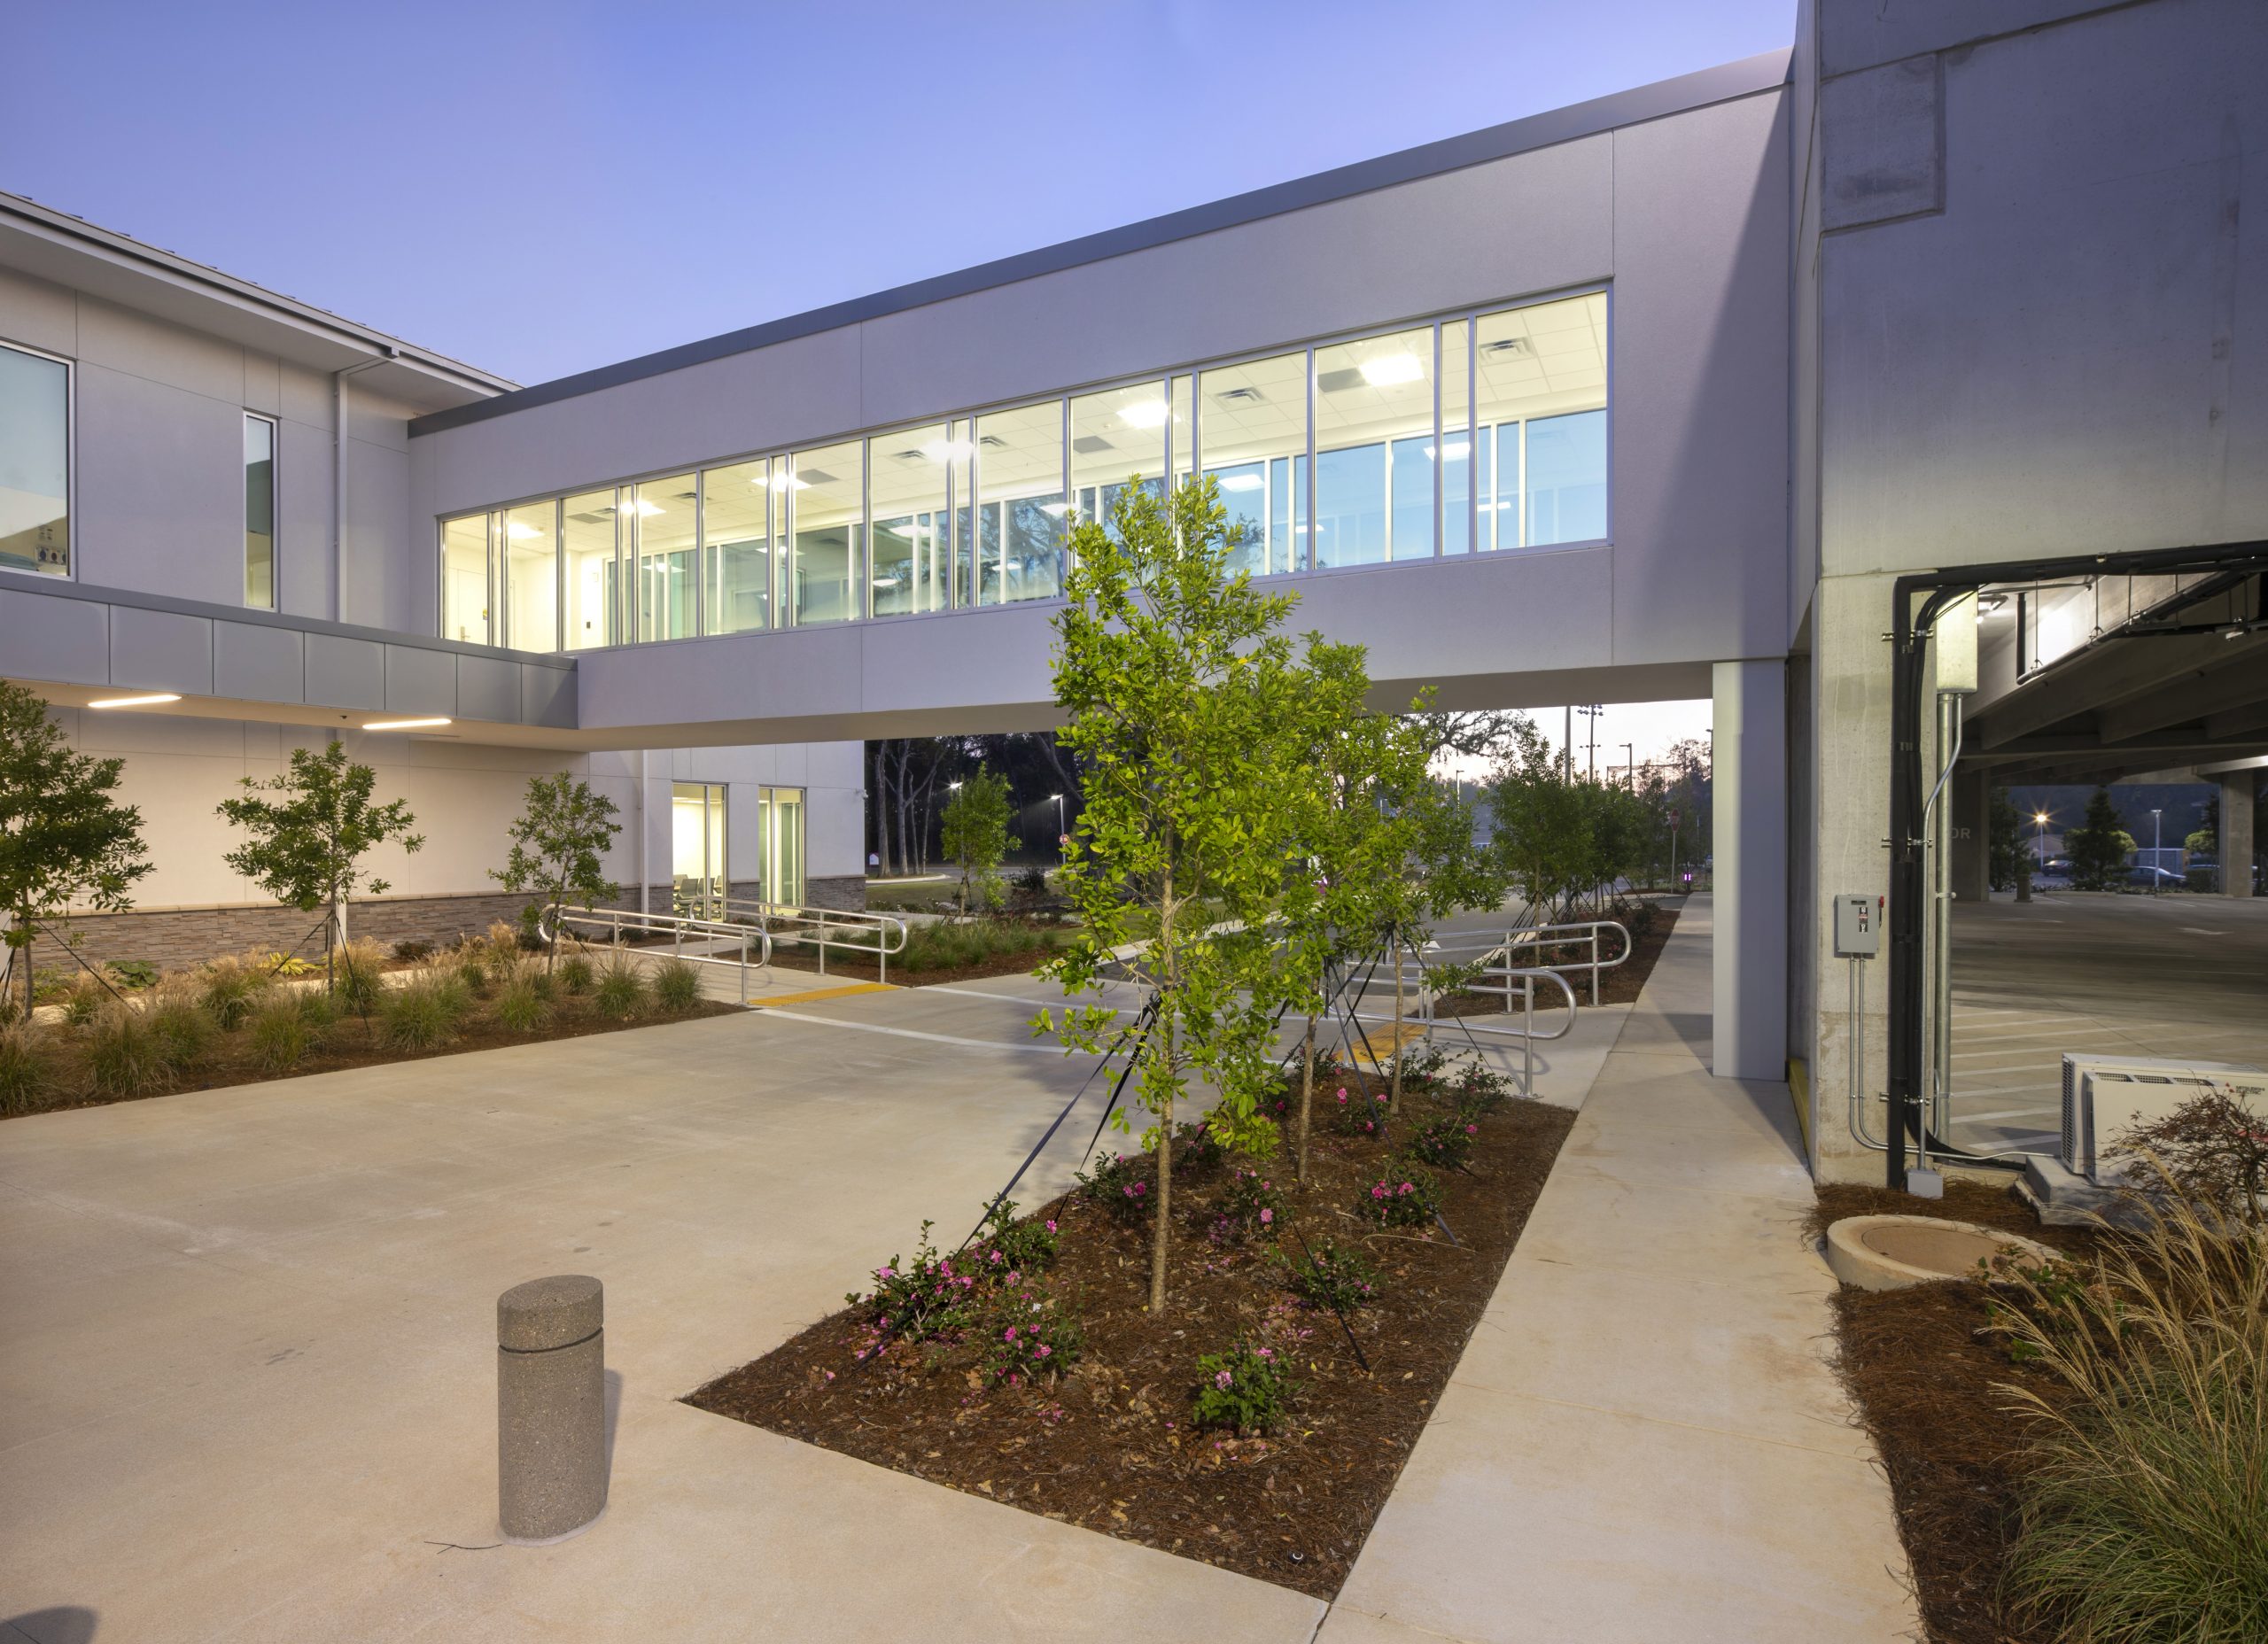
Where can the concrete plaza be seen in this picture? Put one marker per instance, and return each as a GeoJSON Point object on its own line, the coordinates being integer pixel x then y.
{"type": "Point", "coordinates": [247, 1388]}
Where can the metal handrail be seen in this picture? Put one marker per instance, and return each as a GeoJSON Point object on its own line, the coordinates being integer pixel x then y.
{"type": "Point", "coordinates": [677, 926]}
{"type": "Point", "coordinates": [882, 934]}
{"type": "Point", "coordinates": [1539, 936]}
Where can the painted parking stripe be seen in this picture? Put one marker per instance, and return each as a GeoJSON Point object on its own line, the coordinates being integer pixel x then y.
{"type": "Point", "coordinates": [914, 1033]}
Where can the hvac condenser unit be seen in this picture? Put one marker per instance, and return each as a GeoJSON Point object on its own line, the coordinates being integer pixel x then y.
{"type": "Point", "coordinates": [2104, 1096]}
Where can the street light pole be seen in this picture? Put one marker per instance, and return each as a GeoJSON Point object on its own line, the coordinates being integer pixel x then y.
{"type": "Point", "coordinates": [1062, 829]}
{"type": "Point", "coordinates": [1630, 764]}
{"type": "Point", "coordinates": [2039, 819]}
{"type": "Point", "coordinates": [2157, 842]}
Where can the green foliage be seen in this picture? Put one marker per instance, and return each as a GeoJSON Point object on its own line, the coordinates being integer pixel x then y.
{"type": "Point", "coordinates": [1245, 1388]}
{"type": "Point", "coordinates": [178, 1021]}
{"type": "Point", "coordinates": [1119, 1184]}
{"type": "Point", "coordinates": [1250, 1206]}
{"type": "Point", "coordinates": [1176, 680]}
{"type": "Point", "coordinates": [520, 1008]}
{"type": "Point", "coordinates": [1356, 1111]}
{"type": "Point", "coordinates": [2099, 846]}
{"type": "Point", "coordinates": [960, 946]}
{"type": "Point", "coordinates": [127, 976]}
{"type": "Point", "coordinates": [286, 1026]}
{"type": "Point", "coordinates": [2006, 854]}
{"type": "Point", "coordinates": [306, 848]}
{"type": "Point", "coordinates": [1446, 1142]}
{"type": "Point", "coordinates": [559, 844]}
{"type": "Point", "coordinates": [1339, 1276]}
{"type": "Point", "coordinates": [124, 1055]}
{"type": "Point", "coordinates": [84, 999]}
{"type": "Point", "coordinates": [974, 829]}
{"type": "Point", "coordinates": [361, 977]}
{"type": "Point", "coordinates": [621, 991]}
{"type": "Point", "coordinates": [423, 1013]}
{"type": "Point", "coordinates": [916, 1300]}
{"type": "Point", "coordinates": [2211, 1152]}
{"type": "Point", "coordinates": [1028, 1335]}
{"type": "Point", "coordinates": [575, 974]}
{"type": "Point", "coordinates": [29, 1077]}
{"type": "Point", "coordinates": [1017, 1247]}
{"type": "Point", "coordinates": [1404, 1196]}
{"type": "Point", "coordinates": [1559, 836]}
{"type": "Point", "coordinates": [677, 985]}
{"type": "Point", "coordinates": [64, 840]}
{"type": "Point", "coordinates": [2142, 1516]}
{"type": "Point", "coordinates": [230, 991]}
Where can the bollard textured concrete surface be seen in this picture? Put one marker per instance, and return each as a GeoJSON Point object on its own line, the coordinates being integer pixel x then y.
{"type": "Point", "coordinates": [550, 1407]}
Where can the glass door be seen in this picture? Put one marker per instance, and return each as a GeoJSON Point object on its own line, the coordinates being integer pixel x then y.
{"type": "Point", "coordinates": [779, 842]}
{"type": "Point", "coordinates": [698, 879]}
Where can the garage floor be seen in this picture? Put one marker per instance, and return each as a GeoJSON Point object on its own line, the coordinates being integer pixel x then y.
{"type": "Point", "coordinates": [2177, 975]}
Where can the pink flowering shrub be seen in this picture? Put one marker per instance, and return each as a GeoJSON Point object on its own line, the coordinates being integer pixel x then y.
{"type": "Point", "coordinates": [1245, 1388]}
{"type": "Point", "coordinates": [1250, 1205]}
{"type": "Point", "coordinates": [1010, 1247]}
{"type": "Point", "coordinates": [1421, 1066]}
{"type": "Point", "coordinates": [1027, 1336]}
{"type": "Point", "coordinates": [929, 1296]}
{"type": "Point", "coordinates": [1201, 1148]}
{"type": "Point", "coordinates": [1121, 1186]}
{"type": "Point", "coordinates": [1477, 1092]}
{"type": "Point", "coordinates": [1339, 1276]}
{"type": "Point", "coordinates": [1352, 1112]}
{"type": "Point", "coordinates": [1445, 1141]}
{"type": "Point", "coordinates": [1407, 1196]}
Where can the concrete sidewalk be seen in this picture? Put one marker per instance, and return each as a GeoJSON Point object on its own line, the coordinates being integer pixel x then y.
{"type": "Point", "coordinates": [1643, 1441]}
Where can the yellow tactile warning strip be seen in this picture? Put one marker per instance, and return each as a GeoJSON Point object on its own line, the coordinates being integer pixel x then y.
{"type": "Point", "coordinates": [817, 994]}
{"type": "Point", "coordinates": [1381, 1046]}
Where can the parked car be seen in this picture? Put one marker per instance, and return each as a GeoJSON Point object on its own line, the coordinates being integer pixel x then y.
{"type": "Point", "coordinates": [2155, 878]}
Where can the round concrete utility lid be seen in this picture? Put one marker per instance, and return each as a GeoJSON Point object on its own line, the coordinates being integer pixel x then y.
{"type": "Point", "coordinates": [1886, 1253]}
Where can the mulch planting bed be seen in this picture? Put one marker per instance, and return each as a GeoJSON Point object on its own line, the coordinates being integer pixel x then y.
{"type": "Point", "coordinates": [1619, 986]}
{"type": "Point", "coordinates": [351, 1044]}
{"type": "Point", "coordinates": [1000, 965]}
{"type": "Point", "coordinates": [1110, 1444]}
{"type": "Point", "coordinates": [1926, 1384]}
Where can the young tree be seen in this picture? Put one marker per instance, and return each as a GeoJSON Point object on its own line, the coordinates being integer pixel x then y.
{"type": "Point", "coordinates": [1542, 824]}
{"type": "Point", "coordinates": [307, 847]}
{"type": "Point", "coordinates": [974, 830]}
{"type": "Point", "coordinates": [1176, 680]}
{"type": "Point", "coordinates": [2099, 846]}
{"type": "Point", "coordinates": [64, 839]}
{"type": "Point", "coordinates": [559, 845]}
{"type": "Point", "coordinates": [2004, 854]}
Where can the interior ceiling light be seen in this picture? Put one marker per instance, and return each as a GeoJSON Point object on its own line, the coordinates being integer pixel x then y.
{"type": "Point", "coordinates": [151, 701]}
{"type": "Point", "coordinates": [1391, 370]}
{"type": "Point", "coordinates": [1145, 414]}
{"type": "Point", "coordinates": [403, 725]}
{"type": "Point", "coordinates": [1058, 509]}
{"type": "Point", "coordinates": [520, 531]}
{"type": "Point", "coordinates": [781, 480]}
{"type": "Point", "coordinates": [1458, 450]}
{"type": "Point", "coordinates": [946, 450]}
{"type": "Point", "coordinates": [1240, 482]}
{"type": "Point", "coordinates": [644, 510]}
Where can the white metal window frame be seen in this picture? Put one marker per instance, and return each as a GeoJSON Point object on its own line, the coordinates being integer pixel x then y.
{"type": "Point", "coordinates": [275, 512]}
{"type": "Point", "coordinates": [783, 508]}
{"type": "Point", "coordinates": [70, 572]}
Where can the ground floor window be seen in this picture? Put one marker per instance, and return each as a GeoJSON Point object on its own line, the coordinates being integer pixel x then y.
{"type": "Point", "coordinates": [699, 879]}
{"type": "Point", "coordinates": [780, 844]}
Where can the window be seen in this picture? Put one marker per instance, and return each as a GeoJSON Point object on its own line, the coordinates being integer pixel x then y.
{"type": "Point", "coordinates": [779, 844]}
{"type": "Point", "coordinates": [736, 510]}
{"type": "Point", "coordinates": [825, 492]}
{"type": "Point", "coordinates": [531, 558]}
{"type": "Point", "coordinates": [1456, 437]}
{"type": "Point", "coordinates": [464, 579]}
{"type": "Point", "coordinates": [699, 884]}
{"type": "Point", "coordinates": [1541, 397]}
{"type": "Point", "coordinates": [910, 497]}
{"type": "Point", "coordinates": [260, 512]}
{"type": "Point", "coordinates": [1252, 432]}
{"type": "Point", "coordinates": [1116, 435]}
{"type": "Point", "coordinates": [1374, 448]}
{"type": "Point", "coordinates": [587, 532]}
{"type": "Point", "coordinates": [34, 463]}
{"type": "Point", "coordinates": [1019, 532]}
{"type": "Point", "coordinates": [663, 513]}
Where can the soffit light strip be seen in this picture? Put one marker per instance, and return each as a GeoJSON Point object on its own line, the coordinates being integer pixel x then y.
{"type": "Point", "coordinates": [138, 701]}
{"type": "Point", "coordinates": [403, 725]}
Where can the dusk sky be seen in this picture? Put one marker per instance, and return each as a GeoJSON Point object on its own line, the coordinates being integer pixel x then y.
{"type": "Point", "coordinates": [539, 189]}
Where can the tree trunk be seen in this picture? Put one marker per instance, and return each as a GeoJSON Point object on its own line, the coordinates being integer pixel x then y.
{"type": "Point", "coordinates": [1307, 1097]}
{"type": "Point", "coordinates": [1162, 1044]}
{"type": "Point", "coordinates": [1394, 1096]}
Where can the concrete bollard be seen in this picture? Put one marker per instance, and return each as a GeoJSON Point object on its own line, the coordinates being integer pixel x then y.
{"type": "Point", "coordinates": [550, 1407]}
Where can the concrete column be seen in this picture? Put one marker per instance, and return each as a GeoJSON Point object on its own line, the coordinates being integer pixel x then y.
{"type": "Point", "coordinates": [550, 1407]}
{"type": "Point", "coordinates": [1749, 821]}
{"type": "Point", "coordinates": [2234, 845]}
{"type": "Point", "coordinates": [1972, 835]}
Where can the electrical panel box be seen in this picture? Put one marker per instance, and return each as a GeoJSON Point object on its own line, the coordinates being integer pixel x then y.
{"type": "Point", "coordinates": [1858, 926]}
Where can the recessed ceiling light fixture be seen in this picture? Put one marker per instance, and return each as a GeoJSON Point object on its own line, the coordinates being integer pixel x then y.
{"type": "Point", "coordinates": [151, 701]}
{"type": "Point", "coordinates": [1458, 450]}
{"type": "Point", "coordinates": [404, 725]}
{"type": "Point", "coordinates": [946, 450]}
{"type": "Point", "coordinates": [1391, 370]}
{"type": "Point", "coordinates": [1240, 482]}
{"type": "Point", "coordinates": [781, 480]}
{"type": "Point", "coordinates": [1145, 414]}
